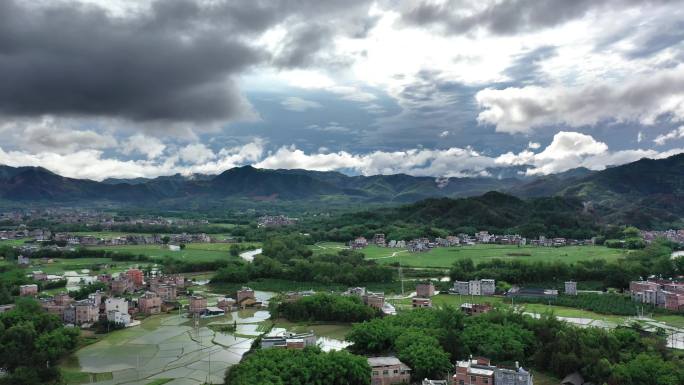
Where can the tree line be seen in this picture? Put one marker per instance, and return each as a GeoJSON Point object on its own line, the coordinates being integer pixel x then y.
{"type": "Point", "coordinates": [430, 340]}
{"type": "Point", "coordinates": [289, 257]}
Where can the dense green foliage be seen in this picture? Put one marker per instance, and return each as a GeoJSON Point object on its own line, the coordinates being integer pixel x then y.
{"type": "Point", "coordinates": [495, 212]}
{"type": "Point", "coordinates": [288, 257]}
{"type": "Point", "coordinates": [31, 342]}
{"type": "Point", "coordinates": [327, 307]}
{"type": "Point", "coordinates": [424, 339]}
{"type": "Point", "coordinates": [299, 367]}
{"type": "Point", "coordinates": [601, 356]}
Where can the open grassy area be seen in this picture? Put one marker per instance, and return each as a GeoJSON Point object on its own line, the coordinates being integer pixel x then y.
{"type": "Point", "coordinates": [192, 251]}
{"type": "Point", "coordinates": [541, 378]}
{"type": "Point", "coordinates": [444, 257]}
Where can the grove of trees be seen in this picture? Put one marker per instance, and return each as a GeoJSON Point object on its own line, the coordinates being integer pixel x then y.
{"type": "Point", "coordinates": [327, 307]}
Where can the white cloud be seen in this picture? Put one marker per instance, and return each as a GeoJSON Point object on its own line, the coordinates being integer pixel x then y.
{"type": "Point", "coordinates": [643, 99]}
{"type": "Point", "coordinates": [444, 134]}
{"type": "Point", "coordinates": [424, 162]}
{"type": "Point", "coordinates": [640, 137]}
{"type": "Point", "coordinates": [570, 150]}
{"type": "Point", "coordinates": [151, 147]}
{"type": "Point", "coordinates": [55, 135]}
{"type": "Point", "coordinates": [196, 153]}
{"type": "Point", "coordinates": [533, 145]}
{"type": "Point", "coordinates": [674, 134]}
{"type": "Point", "coordinates": [297, 104]}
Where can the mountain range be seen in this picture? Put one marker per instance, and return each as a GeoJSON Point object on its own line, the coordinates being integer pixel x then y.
{"type": "Point", "coordinates": [646, 191]}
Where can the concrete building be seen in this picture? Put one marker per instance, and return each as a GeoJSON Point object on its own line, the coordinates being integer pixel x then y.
{"type": "Point", "coordinates": [81, 313]}
{"type": "Point", "coordinates": [198, 304]}
{"type": "Point", "coordinates": [23, 261]}
{"type": "Point", "coordinates": [244, 293]}
{"type": "Point", "coordinates": [374, 300]}
{"type": "Point", "coordinates": [119, 317]}
{"type": "Point", "coordinates": [488, 286]}
{"type": "Point", "coordinates": [166, 292]}
{"type": "Point", "coordinates": [116, 304]}
{"type": "Point", "coordinates": [475, 288]}
{"type": "Point", "coordinates": [425, 290]}
{"type": "Point", "coordinates": [136, 277]}
{"type": "Point", "coordinates": [516, 376]}
{"type": "Point", "coordinates": [570, 288]}
{"type": "Point", "coordinates": [121, 285]}
{"type": "Point", "coordinates": [477, 371]}
{"type": "Point", "coordinates": [225, 303]}
{"type": "Point", "coordinates": [461, 287]}
{"type": "Point", "coordinates": [388, 370]}
{"type": "Point", "coordinates": [421, 302]}
{"type": "Point", "coordinates": [149, 303]}
{"type": "Point", "coordinates": [28, 290]}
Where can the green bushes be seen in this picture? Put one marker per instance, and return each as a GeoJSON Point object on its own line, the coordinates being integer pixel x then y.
{"type": "Point", "coordinates": [600, 303]}
{"type": "Point", "coordinates": [327, 307]}
{"type": "Point", "coordinates": [307, 366]}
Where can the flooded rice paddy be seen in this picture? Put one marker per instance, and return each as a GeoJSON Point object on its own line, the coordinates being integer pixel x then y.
{"type": "Point", "coordinates": [171, 346]}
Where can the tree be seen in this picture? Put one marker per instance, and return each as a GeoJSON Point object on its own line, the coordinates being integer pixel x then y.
{"type": "Point", "coordinates": [307, 366]}
{"type": "Point", "coordinates": [166, 239]}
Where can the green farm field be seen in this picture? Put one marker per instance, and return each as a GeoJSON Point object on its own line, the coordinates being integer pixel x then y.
{"type": "Point", "coordinates": [192, 251]}
{"type": "Point", "coordinates": [444, 257]}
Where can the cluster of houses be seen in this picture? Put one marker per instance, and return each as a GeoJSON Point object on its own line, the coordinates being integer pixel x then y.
{"type": "Point", "coordinates": [43, 236]}
{"type": "Point", "coordinates": [92, 218]}
{"type": "Point", "coordinates": [474, 371]}
{"type": "Point", "coordinates": [661, 293]}
{"type": "Point", "coordinates": [155, 295]}
{"type": "Point", "coordinates": [275, 221]}
{"type": "Point", "coordinates": [676, 236]}
{"type": "Point", "coordinates": [482, 237]}
{"type": "Point", "coordinates": [373, 299]}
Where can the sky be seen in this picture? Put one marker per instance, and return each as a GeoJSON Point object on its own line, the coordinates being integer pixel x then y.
{"type": "Point", "coordinates": [130, 88]}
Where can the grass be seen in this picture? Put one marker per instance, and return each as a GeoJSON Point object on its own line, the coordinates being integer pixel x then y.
{"type": "Point", "coordinates": [74, 377]}
{"type": "Point", "coordinates": [670, 319]}
{"type": "Point", "coordinates": [12, 242]}
{"type": "Point", "coordinates": [444, 257]}
{"type": "Point", "coordinates": [193, 251]}
{"type": "Point", "coordinates": [541, 378]}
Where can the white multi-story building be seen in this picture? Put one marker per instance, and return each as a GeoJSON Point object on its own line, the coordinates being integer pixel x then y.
{"type": "Point", "coordinates": [475, 288]}
{"type": "Point", "coordinates": [488, 286]}
{"type": "Point", "coordinates": [570, 288]}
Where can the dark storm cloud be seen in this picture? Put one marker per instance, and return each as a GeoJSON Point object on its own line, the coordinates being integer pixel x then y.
{"type": "Point", "coordinates": [507, 17]}
{"type": "Point", "coordinates": [302, 44]}
{"type": "Point", "coordinates": [174, 62]}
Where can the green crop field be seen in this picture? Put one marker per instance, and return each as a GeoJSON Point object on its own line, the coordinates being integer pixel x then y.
{"type": "Point", "coordinates": [192, 251]}
{"type": "Point", "coordinates": [444, 257]}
